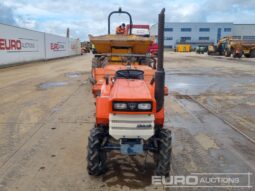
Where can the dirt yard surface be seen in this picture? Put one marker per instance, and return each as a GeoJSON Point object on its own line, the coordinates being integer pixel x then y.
{"type": "Point", "coordinates": [47, 110]}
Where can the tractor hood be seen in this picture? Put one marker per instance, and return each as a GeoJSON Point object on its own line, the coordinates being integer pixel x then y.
{"type": "Point", "coordinates": [130, 90]}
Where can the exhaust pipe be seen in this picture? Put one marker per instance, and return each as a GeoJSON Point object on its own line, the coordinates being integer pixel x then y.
{"type": "Point", "coordinates": [160, 73]}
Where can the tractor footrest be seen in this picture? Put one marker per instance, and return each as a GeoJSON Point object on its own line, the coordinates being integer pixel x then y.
{"type": "Point", "coordinates": [131, 146]}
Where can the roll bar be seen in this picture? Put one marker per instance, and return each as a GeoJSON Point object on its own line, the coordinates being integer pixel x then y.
{"type": "Point", "coordinates": [120, 12]}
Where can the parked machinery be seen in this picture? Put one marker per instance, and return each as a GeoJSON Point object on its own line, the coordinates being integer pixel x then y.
{"type": "Point", "coordinates": [129, 90]}
{"type": "Point", "coordinates": [201, 49]}
{"type": "Point", "coordinates": [212, 50]}
{"type": "Point", "coordinates": [183, 47]}
{"type": "Point", "coordinates": [248, 48]}
{"type": "Point", "coordinates": [231, 46]}
{"type": "Point", "coordinates": [85, 47]}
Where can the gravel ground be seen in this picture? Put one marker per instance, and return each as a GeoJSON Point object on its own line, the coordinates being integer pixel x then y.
{"type": "Point", "coordinates": [47, 110]}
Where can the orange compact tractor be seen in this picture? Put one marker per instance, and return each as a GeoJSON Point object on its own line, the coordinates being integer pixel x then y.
{"type": "Point", "coordinates": [129, 88]}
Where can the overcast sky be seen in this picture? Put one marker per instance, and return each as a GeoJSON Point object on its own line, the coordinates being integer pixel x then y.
{"type": "Point", "coordinates": [85, 17]}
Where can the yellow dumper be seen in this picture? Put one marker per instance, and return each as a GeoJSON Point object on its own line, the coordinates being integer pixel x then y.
{"type": "Point", "coordinates": [230, 46]}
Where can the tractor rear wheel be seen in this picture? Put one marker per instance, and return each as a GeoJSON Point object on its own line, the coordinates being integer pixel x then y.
{"type": "Point", "coordinates": [96, 157]}
{"type": "Point", "coordinates": [163, 156]}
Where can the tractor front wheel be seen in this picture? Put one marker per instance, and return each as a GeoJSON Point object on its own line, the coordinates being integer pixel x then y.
{"type": "Point", "coordinates": [96, 157]}
{"type": "Point", "coordinates": [163, 156]}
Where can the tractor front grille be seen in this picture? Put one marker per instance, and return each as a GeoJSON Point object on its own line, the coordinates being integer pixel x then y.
{"type": "Point", "coordinates": [131, 126]}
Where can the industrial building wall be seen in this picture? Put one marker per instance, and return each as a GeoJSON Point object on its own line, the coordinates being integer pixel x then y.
{"type": "Point", "coordinates": [210, 33]}
{"type": "Point", "coordinates": [19, 45]}
{"type": "Point", "coordinates": [194, 33]}
{"type": "Point", "coordinates": [244, 31]}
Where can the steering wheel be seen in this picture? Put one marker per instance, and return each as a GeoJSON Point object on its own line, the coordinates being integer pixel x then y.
{"type": "Point", "coordinates": [130, 74]}
{"type": "Point", "coordinates": [123, 74]}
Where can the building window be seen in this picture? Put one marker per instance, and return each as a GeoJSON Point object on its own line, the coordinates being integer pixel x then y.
{"type": "Point", "coordinates": [204, 38]}
{"type": "Point", "coordinates": [170, 46]}
{"type": "Point", "coordinates": [204, 30]}
{"type": "Point", "coordinates": [185, 38]}
{"type": "Point", "coordinates": [185, 29]}
{"type": "Point", "coordinates": [248, 37]}
{"type": "Point", "coordinates": [168, 38]}
{"type": "Point", "coordinates": [237, 37]}
{"type": "Point", "coordinates": [168, 29]}
{"type": "Point", "coordinates": [227, 29]}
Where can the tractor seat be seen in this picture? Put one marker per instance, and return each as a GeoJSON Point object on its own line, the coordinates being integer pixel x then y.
{"type": "Point", "coordinates": [130, 74]}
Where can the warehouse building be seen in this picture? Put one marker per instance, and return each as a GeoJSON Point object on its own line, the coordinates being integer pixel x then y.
{"type": "Point", "coordinates": [202, 33]}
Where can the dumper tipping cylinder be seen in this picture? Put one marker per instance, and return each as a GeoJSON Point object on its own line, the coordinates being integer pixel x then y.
{"type": "Point", "coordinates": [160, 73]}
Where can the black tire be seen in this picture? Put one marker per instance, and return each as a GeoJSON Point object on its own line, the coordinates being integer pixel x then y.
{"type": "Point", "coordinates": [92, 80]}
{"type": "Point", "coordinates": [163, 156]}
{"type": "Point", "coordinates": [239, 55]}
{"type": "Point", "coordinates": [95, 63]}
{"type": "Point", "coordinates": [96, 157]}
{"type": "Point", "coordinates": [227, 53]}
{"type": "Point", "coordinates": [253, 53]}
{"type": "Point", "coordinates": [247, 55]}
{"type": "Point", "coordinates": [94, 51]}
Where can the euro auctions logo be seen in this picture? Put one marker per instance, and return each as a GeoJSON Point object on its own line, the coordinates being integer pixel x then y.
{"type": "Point", "coordinates": [18, 45]}
{"type": "Point", "coordinates": [10, 44]}
{"type": "Point", "coordinates": [58, 46]}
{"type": "Point", "coordinates": [205, 180]}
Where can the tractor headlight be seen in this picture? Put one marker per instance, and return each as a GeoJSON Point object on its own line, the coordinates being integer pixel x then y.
{"type": "Point", "coordinates": [132, 106]}
{"type": "Point", "coordinates": [120, 106]}
{"type": "Point", "coordinates": [144, 106]}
